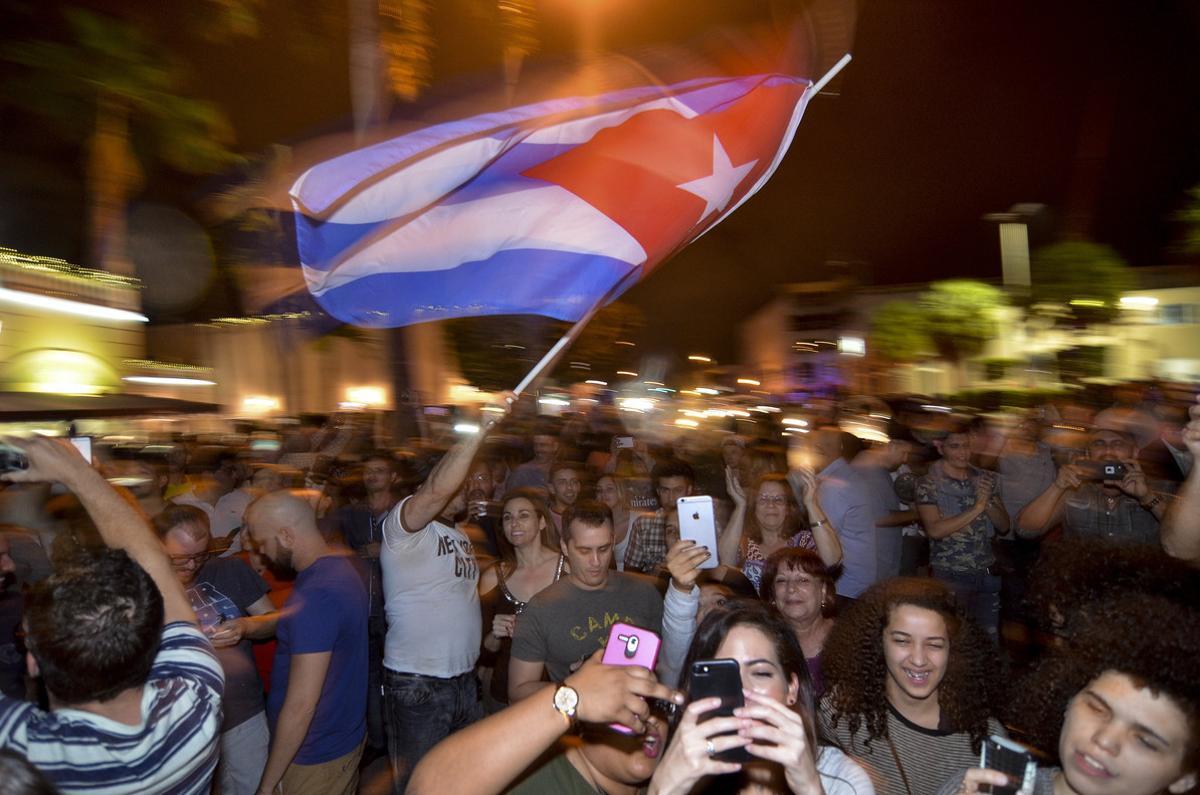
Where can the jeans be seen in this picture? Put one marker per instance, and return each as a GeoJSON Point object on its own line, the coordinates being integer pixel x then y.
{"type": "Point", "coordinates": [421, 712]}
{"type": "Point", "coordinates": [376, 731]}
{"type": "Point", "coordinates": [243, 756]}
{"type": "Point", "coordinates": [979, 594]}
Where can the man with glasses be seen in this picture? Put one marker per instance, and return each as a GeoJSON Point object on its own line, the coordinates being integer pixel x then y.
{"type": "Point", "coordinates": [1104, 495]}
{"type": "Point", "coordinates": [233, 608]}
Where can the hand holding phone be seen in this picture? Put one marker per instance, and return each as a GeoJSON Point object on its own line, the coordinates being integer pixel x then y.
{"type": "Point", "coordinates": [630, 645]}
{"type": "Point", "coordinates": [1010, 759]}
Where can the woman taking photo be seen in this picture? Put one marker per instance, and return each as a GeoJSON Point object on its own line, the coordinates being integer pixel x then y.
{"type": "Point", "coordinates": [798, 584]}
{"type": "Point", "coordinates": [910, 685]}
{"type": "Point", "coordinates": [529, 561]}
{"type": "Point", "coordinates": [1118, 710]}
{"type": "Point", "coordinates": [771, 521]}
{"type": "Point", "coordinates": [776, 726]}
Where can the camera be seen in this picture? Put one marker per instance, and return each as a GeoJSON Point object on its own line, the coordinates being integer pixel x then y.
{"type": "Point", "coordinates": [12, 459]}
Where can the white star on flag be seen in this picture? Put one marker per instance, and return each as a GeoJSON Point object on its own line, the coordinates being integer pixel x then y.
{"type": "Point", "coordinates": [717, 188]}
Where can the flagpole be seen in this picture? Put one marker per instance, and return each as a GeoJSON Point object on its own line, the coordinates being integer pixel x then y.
{"type": "Point", "coordinates": [572, 334]}
{"type": "Point", "coordinates": [832, 73]}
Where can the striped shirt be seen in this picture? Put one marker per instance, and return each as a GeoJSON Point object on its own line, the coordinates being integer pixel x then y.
{"type": "Point", "coordinates": [928, 757]}
{"type": "Point", "coordinates": [174, 750]}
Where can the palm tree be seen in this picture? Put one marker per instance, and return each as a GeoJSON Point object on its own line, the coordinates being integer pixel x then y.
{"type": "Point", "coordinates": [107, 82]}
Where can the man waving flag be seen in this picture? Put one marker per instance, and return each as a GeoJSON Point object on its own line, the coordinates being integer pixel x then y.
{"type": "Point", "coordinates": [541, 209]}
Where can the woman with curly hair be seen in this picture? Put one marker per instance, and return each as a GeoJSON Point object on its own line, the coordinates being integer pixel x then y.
{"type": "Point", "coordinates": [910, 684]}
{"type": "Point", "coordinates": [1117, 708]}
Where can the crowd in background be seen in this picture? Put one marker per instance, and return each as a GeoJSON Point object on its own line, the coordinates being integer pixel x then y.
{"type": "Point", "coordinates": [207, 614]}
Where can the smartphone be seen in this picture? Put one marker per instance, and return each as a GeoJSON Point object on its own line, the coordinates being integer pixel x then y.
{"type": "Point", "coordinates": [630, 645]}
{"type": "Point", "coordinates": [84, 445]}
{"type": "Point", "coordinates": [696, 523]}
{"type": "Point", "coordinates": [1102, 470]}
{"type": "Point", "coordinates": [1008, 757]}
{"type": "Point", "coordinates": [625, 441]}
{"type": "Point", "coordinates": [719, 678]}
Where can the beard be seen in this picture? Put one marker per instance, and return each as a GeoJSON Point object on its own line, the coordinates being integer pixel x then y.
{"type": "Point", "coordinates": [282, 565]}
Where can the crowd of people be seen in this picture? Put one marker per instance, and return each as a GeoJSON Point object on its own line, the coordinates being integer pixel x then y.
{"type": "Point", "coordinates": [193, 615]}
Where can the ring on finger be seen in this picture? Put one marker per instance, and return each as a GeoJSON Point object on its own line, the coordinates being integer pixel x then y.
{"type": "Point", "coordinates": [709, 748]}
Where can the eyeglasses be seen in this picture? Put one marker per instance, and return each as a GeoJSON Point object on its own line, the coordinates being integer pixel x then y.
{"type": "Point", "coordinates": [772, 499]}
{"type": "Point", "coordinates": [198, 560]}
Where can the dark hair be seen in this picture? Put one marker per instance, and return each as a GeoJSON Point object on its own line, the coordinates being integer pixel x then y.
{"type": "Point", "coordinates": [549, 533]}
{"type": "Point", "coordinates": [385, 456]}
{"type": "Point", "coordinates": [1073, 574]}
{"type": "Point", "coordinates": [560, 464]}
{"type": "Point", "coordinates": [672, 468]}
{"type": "Point", "coordinates": [747, 613]}
{"type": "Point", "coordinates": [94, 627]}
{"type": "Point", "coordinates": [791, 522]}
{"type": "Point", "coordinates": [18, 776]}
{"type": "Point", "coordinates": [1150, 638]}
{"type": "Point", "coordinates": [586, 512]}
{"type": "Point", "coordinates": [800, 559]}
{"type": "Point", "coordinates": [856, 673]}
{"type": "Point", "coordinates": [175, 515]}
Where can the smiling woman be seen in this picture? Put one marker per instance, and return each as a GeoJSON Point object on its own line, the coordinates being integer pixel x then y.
{"type": "Point", "coordinates": [910, 685]}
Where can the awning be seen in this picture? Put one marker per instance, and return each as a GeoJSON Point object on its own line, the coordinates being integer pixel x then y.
{"type": "Point", "coordinates": [27, 406]}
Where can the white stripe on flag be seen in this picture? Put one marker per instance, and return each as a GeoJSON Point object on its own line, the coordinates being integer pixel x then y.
{"type": "Point", "coordinates": [447, 236]}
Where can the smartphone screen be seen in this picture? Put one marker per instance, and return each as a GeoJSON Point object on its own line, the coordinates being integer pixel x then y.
{"type": "Point", "coordinates": [696, 523]}
{"type": "Point", "coordinates": [630, 645]}
{"type": "Point", "coordinates": [84, 445]}
{"type": "Point", "coordinates": [723, 679]}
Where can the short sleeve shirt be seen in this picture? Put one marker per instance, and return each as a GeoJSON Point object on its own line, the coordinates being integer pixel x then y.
{"type": "Point", "coordinates": [327, 612]}
{"type": "Point", "coordinates": [563, 623]}
{"type": "Point", "coordinates": [174, 749]}
{"type": "Point", "coordinates": [223, 590]}
{"type": "Point", "coordinates": [970, 549]}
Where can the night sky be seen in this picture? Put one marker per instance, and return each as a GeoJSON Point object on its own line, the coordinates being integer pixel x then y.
{"type": "Point", "coordinates": [950, 110]}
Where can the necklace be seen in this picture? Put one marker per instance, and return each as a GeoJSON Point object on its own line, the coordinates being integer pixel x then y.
{"type": "Point", "coordinates": [585, 767]}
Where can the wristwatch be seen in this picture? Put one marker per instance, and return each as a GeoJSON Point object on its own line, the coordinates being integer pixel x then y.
{"type": "Point", "coordinates": [566, 701]}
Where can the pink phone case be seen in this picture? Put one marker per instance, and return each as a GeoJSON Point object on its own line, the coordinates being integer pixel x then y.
{"type": "Point", "coordinates": [628, 645]}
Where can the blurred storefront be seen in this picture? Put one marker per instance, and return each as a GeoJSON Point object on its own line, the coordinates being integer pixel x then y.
{"type": "Point", "coordinates": [814, 338]}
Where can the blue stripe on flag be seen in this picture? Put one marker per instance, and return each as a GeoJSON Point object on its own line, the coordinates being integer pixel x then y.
{"type": "Point", "coordinates": [557, 284]}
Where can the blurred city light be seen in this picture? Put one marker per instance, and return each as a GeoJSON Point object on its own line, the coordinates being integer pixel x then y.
{"type": "Point", "coordinates": [685, 423]}
{"type": "Point", "coordinates": [160, 380]}
{"type": "Point", "coordinates": [69, 307]}
{"type": "Point", "coordinates": [466, 428]}
{"type": "Point", "coordinates": [366, 395]}
{"type": "Point", "coordinates": [749, 382]}
{"type": "Point", "coordinates": [852, 346]}
{"type": "Point", "coordinates": [695, 357]}
{"type": "Point", "coordinates": [259, 404]}
{"type": "Point", "coordinates": [1142, 302]}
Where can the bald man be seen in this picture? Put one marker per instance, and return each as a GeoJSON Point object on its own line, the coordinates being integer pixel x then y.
{"type": "Point", "coordinates": [317, 706]}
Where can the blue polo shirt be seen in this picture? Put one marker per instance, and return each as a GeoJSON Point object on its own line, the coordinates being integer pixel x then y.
{"type": "Point", "coordinates": [327, 611]}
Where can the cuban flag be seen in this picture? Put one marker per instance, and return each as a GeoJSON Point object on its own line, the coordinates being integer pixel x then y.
{"type": "Point", "coordinates": [545, 209]}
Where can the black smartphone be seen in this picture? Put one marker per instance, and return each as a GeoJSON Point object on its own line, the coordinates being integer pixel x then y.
{"type": "Point", "coordinates": [1103, 470]}
{"type": "Point", "coordinates": [723, 679]}
{"type": "Point", "coordinates": [1007, 757]}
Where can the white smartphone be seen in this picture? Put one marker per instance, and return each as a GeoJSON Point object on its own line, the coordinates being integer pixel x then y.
{"type": "Point", "coordinates": [696, 523]}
